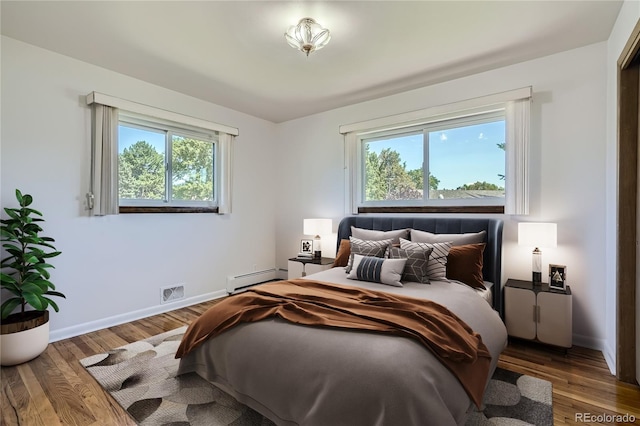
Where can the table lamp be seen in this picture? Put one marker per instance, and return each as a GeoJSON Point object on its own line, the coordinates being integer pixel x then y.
{"type": "Point", "coordinates": [317, 227]}
{"type": "Point", "coordinates": [537, 235]}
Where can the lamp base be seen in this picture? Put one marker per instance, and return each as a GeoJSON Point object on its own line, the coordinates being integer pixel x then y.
{"type": "Point", "coordinates": [317, 254]}
{"type": "Point", "coordinates": [536, 277]}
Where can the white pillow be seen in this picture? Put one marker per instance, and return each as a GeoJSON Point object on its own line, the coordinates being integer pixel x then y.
{"type": "Point", "coordinates": [372, 235]}
{"type": "Point", "coordinates": [377, 270]}
{"type": "Point", "coordinates": [455, 239]}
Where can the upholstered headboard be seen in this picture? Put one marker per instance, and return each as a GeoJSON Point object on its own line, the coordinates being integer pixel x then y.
{"type": "Point", "coordinates": [492, 259]}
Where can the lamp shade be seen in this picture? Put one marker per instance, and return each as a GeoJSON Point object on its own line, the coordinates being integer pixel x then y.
{"type": "Point", "coordinates": [317, 226]}
{"type": "Point", "coordinates": [537, 234]}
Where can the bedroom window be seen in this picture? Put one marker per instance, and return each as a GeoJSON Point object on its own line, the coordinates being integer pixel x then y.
{"type": "Point", "coordinates": [444, 159]}
{"type": "Point", "coordinates": [159, 165]}
{"type": "Point", "coordinates": [150, 160]}
{"type": "Point", "coordinates": [456, 161]}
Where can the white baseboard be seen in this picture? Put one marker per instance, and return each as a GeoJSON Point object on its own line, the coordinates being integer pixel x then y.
{"type": "Point", "coordinates": [88, 327]}
{"type": "Point", "coordinates": [598, 345]}
{"type": "Point", "coordinates": [610, 358]}
{"type": "Point", "coordinates": [588, 342]}
{"type": "Point", "coordinates": [282, 274]}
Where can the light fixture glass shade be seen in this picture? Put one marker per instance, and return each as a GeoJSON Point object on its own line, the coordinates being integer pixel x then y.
{"type": "Point", "coordinates": [307, 36]}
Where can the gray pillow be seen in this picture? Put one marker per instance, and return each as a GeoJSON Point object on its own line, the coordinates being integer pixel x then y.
{"type": "Point", "coordinates": [437, 266]}
{"type": "Point", "coordinates": [377, 270]}
{"type": "Point", "coordinates": [366, 248]}
{"type": "Point", "coordinates": [455, 239]}
{"type": "Point", "coordinates": [417, 264]}
{"type": "Point", "coordinates": [369, 234]}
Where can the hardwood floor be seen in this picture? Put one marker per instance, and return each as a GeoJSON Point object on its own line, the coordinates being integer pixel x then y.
{"type": "Point", "coordinates": [54, 389]}
{"type": "Point", "coordinates": [582, 382]}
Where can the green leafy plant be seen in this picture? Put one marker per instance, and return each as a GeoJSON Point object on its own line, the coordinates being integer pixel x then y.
{"type": "Point", "coordinates": [25, 270]}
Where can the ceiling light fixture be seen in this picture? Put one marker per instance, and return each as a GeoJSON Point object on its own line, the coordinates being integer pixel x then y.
{"type": "Point", "coordinates": [307, 36]}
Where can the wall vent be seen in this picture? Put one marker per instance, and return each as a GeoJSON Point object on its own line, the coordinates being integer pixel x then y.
{"type": "Point", "coordinates": [171, 293]}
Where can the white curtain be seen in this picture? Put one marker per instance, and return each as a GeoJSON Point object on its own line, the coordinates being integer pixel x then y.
{"type": "Point", "coordinates": [103, 195]}
{"type": "Point", "coordinates": [517, 152]}
{"type": "Point", "coordinates": [351, 169]}
{"type": "Point", "coordinates": [225, 172]}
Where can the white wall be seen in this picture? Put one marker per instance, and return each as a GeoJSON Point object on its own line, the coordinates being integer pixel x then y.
{"type": "Point", "coordinates": [627, 19]}
{"type": "Point", "coordinates": [111, 268]}
{"type": "Point", "coordinates": [568, 168]}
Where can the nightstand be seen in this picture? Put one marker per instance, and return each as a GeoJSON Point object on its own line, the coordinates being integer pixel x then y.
{"type": "Point", "coordinates": [301, 267]}
{"type": "Point", "coordinates": [538, 312]}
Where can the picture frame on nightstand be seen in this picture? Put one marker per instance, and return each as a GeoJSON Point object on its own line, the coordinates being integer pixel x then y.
{"type": "Point", "coordinates": [558, 277]}
{"type": "Point", "coordinates": [306, 248]}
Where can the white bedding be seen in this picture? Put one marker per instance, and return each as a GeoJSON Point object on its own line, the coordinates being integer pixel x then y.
{"type": "Point", "coordinates": [338, 275]}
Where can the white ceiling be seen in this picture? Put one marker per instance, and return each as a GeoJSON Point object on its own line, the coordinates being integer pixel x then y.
{"type": "Point", "coordinates": [233, 53]}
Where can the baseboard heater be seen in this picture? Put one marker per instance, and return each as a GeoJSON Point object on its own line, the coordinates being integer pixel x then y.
{"type": "Point", "coordinates": [238, 283]}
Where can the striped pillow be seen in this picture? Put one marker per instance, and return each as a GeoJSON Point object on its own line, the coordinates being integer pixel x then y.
{"type": "Point", "coordinates": [377, 270]}
{"type": "Point", "coordinates": [437, 266]}
{"type": "Point", "coordinates": [367, 248]}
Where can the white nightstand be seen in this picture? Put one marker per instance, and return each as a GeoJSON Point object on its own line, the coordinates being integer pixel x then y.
{"type": "Point", "coordinates": [301, 267]}
{"type": "Point", "coordinates": [537, 312]}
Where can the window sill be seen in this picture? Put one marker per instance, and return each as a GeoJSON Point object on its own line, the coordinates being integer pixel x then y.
{"type": "Point", "coordinates": [163, 209]}
{"type": "Point", "coordinates": [434, 209]}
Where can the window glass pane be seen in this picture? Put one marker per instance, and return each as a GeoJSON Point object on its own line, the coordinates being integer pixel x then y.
{"type": "Point", "coordinates": [141, 160]}
{"type": "Point", "coordinates": [192, 169]}
{"type": "Point", "coordinates": [467, 161]}
{"type": "Point", "coordinates": [393, 168]}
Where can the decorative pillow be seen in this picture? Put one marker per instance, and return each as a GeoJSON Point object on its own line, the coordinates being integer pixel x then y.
{"type": "Point", "coordinates": [417, 262]}
{"type": "Point", "coordinates": [465, 264]}
{"type": "Point", "coordinates": [366, 248]}
{"type": "Point", "coordinates": [377, 270]}
{"type": "Point", "coordinates": [437, 266]}
{"type": "Point", "coordinates": [344, 251]}
{"type": "Point", "coordinates": [371, 235]}
{"type": "Point", "coordinates": [455, 239]}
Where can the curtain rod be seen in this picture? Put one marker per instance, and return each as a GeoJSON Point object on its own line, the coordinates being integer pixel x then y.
{"type": "Point", "coordinates": [112, 101]}
{"type": "Point", "coordinates": [422, 114]}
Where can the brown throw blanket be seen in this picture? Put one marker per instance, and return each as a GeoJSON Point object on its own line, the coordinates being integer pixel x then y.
{"type": "Point", "coordinates": [317, 303]}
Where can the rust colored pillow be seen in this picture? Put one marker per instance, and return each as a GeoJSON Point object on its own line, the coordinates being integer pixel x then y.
{"type": "Point", "coordinates": [464, 263]}
{"type": "Point", "coordinates": [344, 251]}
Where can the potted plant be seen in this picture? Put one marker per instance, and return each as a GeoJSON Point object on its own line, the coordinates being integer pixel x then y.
{"type": "Point", "coordinates": [25, 277]}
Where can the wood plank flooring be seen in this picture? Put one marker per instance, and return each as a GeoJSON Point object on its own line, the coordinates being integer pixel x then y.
{"type": "Point", "coordinates": [54, 389]}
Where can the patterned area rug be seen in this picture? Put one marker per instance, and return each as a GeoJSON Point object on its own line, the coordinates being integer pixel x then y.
{"type": "Point", "coordinates": [141, 377]}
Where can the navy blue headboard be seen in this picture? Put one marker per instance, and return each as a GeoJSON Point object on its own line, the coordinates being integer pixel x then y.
{"type": "Point", "coordinates": [492, 260]}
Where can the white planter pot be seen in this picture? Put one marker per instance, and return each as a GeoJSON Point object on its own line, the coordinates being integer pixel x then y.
{"type": "Point", "coordinates": [23, 346]}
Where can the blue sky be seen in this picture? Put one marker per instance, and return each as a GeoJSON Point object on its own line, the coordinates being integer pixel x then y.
{"type": "Point", "coordinates": [458, 156]}
{"type": "Point", "coordinates": [127, 136]}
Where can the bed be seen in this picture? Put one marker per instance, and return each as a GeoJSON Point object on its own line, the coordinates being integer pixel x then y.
{"type": "Point", "coordinates": [309, 375]}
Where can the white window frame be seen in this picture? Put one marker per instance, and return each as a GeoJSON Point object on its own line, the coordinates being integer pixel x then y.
{"type": "Point", "coordinates": [102, 198]}
{"type": "Point", "coordinates": [425, 129]}
{"type": "Point", "coordinates": [516, 107]}
{"type": "Point", "coordinates": [169, 130]}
